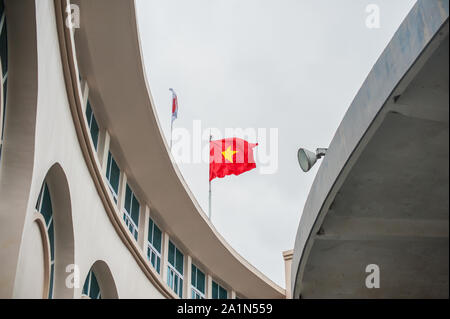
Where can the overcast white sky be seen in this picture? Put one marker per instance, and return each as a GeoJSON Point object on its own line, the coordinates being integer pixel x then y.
{"type": "Point", "coordinates": [287, 64]}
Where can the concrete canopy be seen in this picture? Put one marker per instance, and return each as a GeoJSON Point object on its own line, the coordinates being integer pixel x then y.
{"type": "Point", "coordinates": [381, 195]}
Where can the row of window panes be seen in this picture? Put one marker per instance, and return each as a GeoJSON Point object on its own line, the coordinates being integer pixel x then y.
{"type": "Point", "coordinates": [112, 169]}
{"type": "Point", "coordinates": [131, 205]}
{"type": "Point", "coordinates": [154, 247]}
{"type": "Point", "coordinates": [198, 278]}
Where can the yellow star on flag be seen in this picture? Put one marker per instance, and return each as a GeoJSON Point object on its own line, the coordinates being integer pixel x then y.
{"type": "Point", "coordinates": [228, 154]}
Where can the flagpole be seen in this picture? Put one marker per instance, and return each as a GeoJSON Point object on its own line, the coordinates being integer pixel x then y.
{"type": "Point", "coordinates": [209, 200]}
{"type": "Point", "coordinates": [210, 139]}
{"type": "Point", "coordinates": [171, 132]}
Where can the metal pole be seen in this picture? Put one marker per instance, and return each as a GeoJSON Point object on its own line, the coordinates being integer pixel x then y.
{"type": "Point", "coordinates": [209, 200]}
{"type": "Point", "coordinates": [171, 132]}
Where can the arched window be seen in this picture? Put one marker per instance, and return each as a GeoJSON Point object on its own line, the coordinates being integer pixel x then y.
{"type": "Point", "coordinates": [91, 287]}
{"type": "Point", "coordinates": [99, 283]}
{"type": "Point", "coordinates": [4, 70]}
{"type": "Point", "coordinates": [44, 207]}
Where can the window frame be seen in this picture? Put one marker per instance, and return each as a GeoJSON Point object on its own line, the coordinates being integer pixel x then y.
{"type": "Point", "coordinates": [132, 226]}
{"type": "Point", "coordinates": [173, 275]}
{"type": "Point", "coordinates": [90, 121]}
{"type": "Point", "coordinates": [110, 160]}
{"type": "Point", "coordinates": [195, 291]}
{"type": "Point", "coordinates": [89, 282]}
{"type": "Point", "coordinates": [151, 249]}
{"type": "Point", "coordinates": [219, 287]}
{"type": "Point", "coordinates": [49, 227]}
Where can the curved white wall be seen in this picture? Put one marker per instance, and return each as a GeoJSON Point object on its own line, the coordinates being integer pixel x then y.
{"type": "Point", "coordinates": [56, 142]}
{"type": "Point", "coordinates": [46, 141]}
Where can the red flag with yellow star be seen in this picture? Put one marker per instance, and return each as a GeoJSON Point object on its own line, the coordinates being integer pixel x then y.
{"type": "Point", "coordinates": [230, 156]}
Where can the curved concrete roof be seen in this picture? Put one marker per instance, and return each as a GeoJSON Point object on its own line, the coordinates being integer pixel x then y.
{"type": "Point", "coordinates": [109, 57]}
{"type": "Point", "coordinates": [368, 201]}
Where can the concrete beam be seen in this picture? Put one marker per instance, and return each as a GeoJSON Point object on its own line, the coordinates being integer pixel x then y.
{"type": "Point", "coordinates": [367, 228]}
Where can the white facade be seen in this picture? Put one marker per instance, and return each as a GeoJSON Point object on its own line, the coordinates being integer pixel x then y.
{"type": "Point", "coordinates": [45, 141]}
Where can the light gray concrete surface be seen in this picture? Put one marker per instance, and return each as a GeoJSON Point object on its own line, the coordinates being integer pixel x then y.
{"type": "Point", "coordinates": [381, 194]}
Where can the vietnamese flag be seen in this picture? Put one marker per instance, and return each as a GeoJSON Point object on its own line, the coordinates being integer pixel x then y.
{"type": "Point", "coordinates": [230, 156]}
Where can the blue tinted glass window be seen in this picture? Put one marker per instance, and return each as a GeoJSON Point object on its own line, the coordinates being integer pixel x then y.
{"type": "Point", "coordinates": [132, 205]}
{"type": "Point", "coordinates": [113, 173]}
{"type": "Point", "coordinates": [157, 238]}
{"type": "Point", "coordinates": [95, 289]}
{"type": "Point", "coordinates": [46, 208]}
{"type": "Point", "coordinates": [201, 282]}
{"type": "Point", "coordinates": [169, 277]}
{"type": "Point", "coordinates": [4, 49]}
{"type": "Point", "coordinates": [135, 211]}
{"type": "Point", "coordinates": [52, 275]}
{"type": "Point", "coordinates": [171, 256]}
{"type": "Point", "coordinates": [158, 265]}
{"type": "Point", "coordinates": [154, 236]}
{"type": "Point", "coordinates": [88, 111]}
{"type": "Point", "coordinates": [108, 165]}
{"type": "Point", "coordinates": [51, 238]}
{"type": "Point", "coordinates": [5, 84]}
{"type": "Point", "coordinates": [180, 289]}
{"type": "Point", "coordinates": [150, 231]}
{"type": "Point", "coordinates": [194, 276]}
{"type": "Point", "coordinates": [215, 290]}
{"type": "Point", "coordinates": [38, 203]}
{"type": "Point", "coordinates": [127, 204]}
{"type": "Point", "coordinates": [218, 292]}
{"type": "Point", "coordinates": [2, 8]}
{"type": "Point", "coordinates": [86, 285]}
{"type": "Point", "coordinates": [223, 294]}
{"type": "Point", "coordinates": [91, 287]}
{"type": "Point", "coordinates": [93, 125]}
{"type": "Point", "coordinates": [179, 258]}
{"type": "Point", "coordinates": [198, 279]}
{"type": "Point", "coordinates": [176, 286]}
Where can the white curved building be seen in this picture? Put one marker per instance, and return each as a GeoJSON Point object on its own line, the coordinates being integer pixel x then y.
{"type": "Point", "coordinates": [87, 185]}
